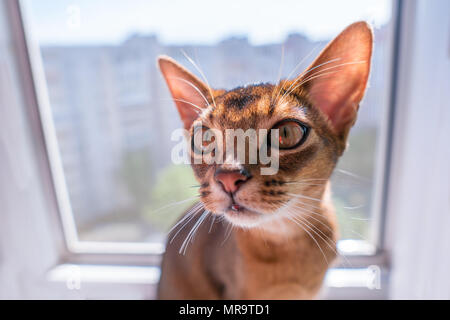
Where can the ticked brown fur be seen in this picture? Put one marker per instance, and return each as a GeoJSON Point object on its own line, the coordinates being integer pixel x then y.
{"type": "Point", "coordinates": [264, 253]}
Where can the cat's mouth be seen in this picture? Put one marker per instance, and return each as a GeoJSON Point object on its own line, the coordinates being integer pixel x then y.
{"type": "Point", "coordinates": [236, 207]}
{"type": "Point", "coordinates": [241, 215]}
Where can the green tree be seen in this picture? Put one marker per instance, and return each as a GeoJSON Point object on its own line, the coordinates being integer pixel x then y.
{"type": "Point", "coordinates": [173, 188]}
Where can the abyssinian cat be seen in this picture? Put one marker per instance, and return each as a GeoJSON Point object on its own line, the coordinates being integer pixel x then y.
{"type": "Point", "coordinates": [278, 234]}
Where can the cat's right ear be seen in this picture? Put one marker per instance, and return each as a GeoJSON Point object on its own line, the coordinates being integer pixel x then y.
{"type": "Point", "coordinates": [189, 93]}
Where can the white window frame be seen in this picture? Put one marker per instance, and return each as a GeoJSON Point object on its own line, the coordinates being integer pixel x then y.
{"type": "Point", "coordinates": [119, 258]}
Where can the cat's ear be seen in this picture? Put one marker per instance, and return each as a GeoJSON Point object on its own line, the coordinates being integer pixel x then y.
{"type": "Point", "coordinates": [336, 81]}
{"type": "Point", "coordinates": [190, 94]}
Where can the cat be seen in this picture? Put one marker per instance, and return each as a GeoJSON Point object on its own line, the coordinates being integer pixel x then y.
{"type": "Point", "coordinates": [278, 233]}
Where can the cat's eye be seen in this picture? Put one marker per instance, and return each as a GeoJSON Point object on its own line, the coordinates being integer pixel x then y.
{"type": "Point", "coordinates": [202, 140]}
{"type": "Point", "coordinates": [292, 133]}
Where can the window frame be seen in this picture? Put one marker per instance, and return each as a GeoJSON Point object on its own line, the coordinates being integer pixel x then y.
{"type": "Point", "coordinates": [72, 251]}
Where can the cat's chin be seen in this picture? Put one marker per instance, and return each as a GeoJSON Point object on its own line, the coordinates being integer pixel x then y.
{"type": "Point", "coordinates": [244, 218]}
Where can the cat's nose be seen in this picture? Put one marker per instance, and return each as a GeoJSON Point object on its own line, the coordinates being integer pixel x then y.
{"type": "Point", "coordinates": [231, 181]}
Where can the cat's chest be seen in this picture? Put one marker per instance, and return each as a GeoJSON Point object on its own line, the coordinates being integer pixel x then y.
{"type": "Point", "coordinates": [297, 275]}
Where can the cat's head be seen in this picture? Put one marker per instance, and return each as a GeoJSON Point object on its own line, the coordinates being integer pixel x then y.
{"type": "Point", "coordinates": [313, 112]}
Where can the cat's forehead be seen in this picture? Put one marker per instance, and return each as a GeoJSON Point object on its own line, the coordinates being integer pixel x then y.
{"type": "Point", "coordinates": [247, 107]}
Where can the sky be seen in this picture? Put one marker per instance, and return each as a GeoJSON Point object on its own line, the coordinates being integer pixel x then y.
{"type": "Point", "coordinates": [71, 22]}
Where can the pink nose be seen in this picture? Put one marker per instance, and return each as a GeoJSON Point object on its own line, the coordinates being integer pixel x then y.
{"type": "Point", "coordinates": [231, 180]}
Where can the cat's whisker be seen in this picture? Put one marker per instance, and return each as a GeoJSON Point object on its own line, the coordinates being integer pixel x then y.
{"type": "Point", "coordinates": [328, 227]}
{"type": "Point", "coordinates": [360, 219]}
{"type": "Point", "coordinates": [299, 206]}
{"type": "Point", "coordinates": [187, 218]}
{"type": "Point", "coordinates": [295, 68]}
{"type": "Point", "coordinates": [300, 77]}
{"type": "Point", "coordinates": [317, 75]}
{"type": "Point", "coordinates": [228, 233]}
{"type": "Point", "coordinates": [197, 224]}
{"type": "Point", "coordinates": [312, 77]}
{"type": "Point", "coordinates": [280, 70]}
{"type": "Point", "coordinates": [301, 225]}
{"type": "Point", "coordinates": [312, 179]}
{"type": "Point", "coordinates": [193, 86]}
{"type": "Point", "coordinates": [303, 219]}
{"type": "Point", "coordinates": [201, 73]}
{"type": "Point", "coordinates": [175, 204]}
{"type": "Point", "coordinates": [326, 69]}
{"type": "Point", "coordinates": [212, 222]}
{"type": "Point", "coordinates": [327, 239]}
{"type": "Point", "coordinates": [317, 213]}
{"type": "Point", "coordinates": [307, 184]}
{"type": "Point", "coordinates": [193, 235]}
{"type": "Point", "coordinates": [355, 207]}
{"type": "Point", "coordinates": [299, 202]}
{"type": "Point", "coordinates": [358, 234]}
{"type": "Point", "coordinates": [309, 214]}
{"type": "Point", "coordinates": [191, 104]}
{"type": "Point", "coordinates": [341, 171]}
{"type": "Point", "coordinates": [354, 175]}
{"type": "Point", "coordinates": [348, 228]}
{"type": "Point", "coordinates": [302, 61]}
{"type": "Point", "coordinates": [304, 197]}
{"type": "Point", "coordinates": [197, 109]}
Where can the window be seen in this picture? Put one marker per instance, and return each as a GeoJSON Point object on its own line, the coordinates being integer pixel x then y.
{"type": "Point", "coordinates": [113, 117]}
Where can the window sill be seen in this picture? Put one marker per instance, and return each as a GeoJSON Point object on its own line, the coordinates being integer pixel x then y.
{"type": "Point", "coordinates": [90, 281]}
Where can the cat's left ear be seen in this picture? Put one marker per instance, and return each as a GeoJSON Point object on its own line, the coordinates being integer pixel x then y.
{"type": "Point", "coordinates": [336, 81]}
{"type": "Point", "coordinates": [189, 93]}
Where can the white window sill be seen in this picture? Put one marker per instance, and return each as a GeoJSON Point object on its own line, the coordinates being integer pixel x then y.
{"type": "Point", "coordinates": [340, 283]}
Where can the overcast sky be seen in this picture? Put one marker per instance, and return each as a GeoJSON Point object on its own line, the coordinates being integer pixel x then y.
{"type": "Point", "coordinates": [196, 21]}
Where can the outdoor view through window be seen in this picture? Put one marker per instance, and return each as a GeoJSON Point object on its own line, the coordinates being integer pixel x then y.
{"type": "Point", "coordinates": [113, 114]}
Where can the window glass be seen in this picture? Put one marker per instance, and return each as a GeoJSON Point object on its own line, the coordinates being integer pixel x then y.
{"type": "Point", "coordinates": [114, 117]}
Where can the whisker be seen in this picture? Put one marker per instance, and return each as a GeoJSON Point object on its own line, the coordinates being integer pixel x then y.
{"type": "Point", "coordinates": [303, 60]}
{"type": "Point", "coordinates": [191, 214]}
{"type": "Point", "coordinates": [301, 225]}
{"type": "Point", "coordinates": [201, 73]}
{"type": "Point", "coordinates": [318, 230]}
{"type": "Point", "coordinates": [193, 86]}
{"type": "Point", "coordinates": [312, 77]}
{"type": "Point", "coordinates": [326, 240]}
{"type": "Point", "coordinates": [309, 215]}
{"type": "Point", "coordinates": [175, 204]}
{"type": "Point", "coordinates": [300, 77]}
{"type": "Point", "coordinates": [193, 235]}
{"type": "Point", "coordinates": [354, 175]}
{"type": "Point", "coordinates": [334, 247]}
{"type": "Point", "coordinates": [299, 202]}
{"type": "Point", "coordinates": [228, 233]}
{"type": "Point", "coordinates": [307, 184]}
{"type": "Point", "coordinates": [304, 197]}
{"type": "Point", "coordinates": [280, 70]}
{"type": "Point", "coordinates": [212, 223]}
{"type": "Point", "coordinates": [317, 75]}
{"type": "Point", "coordinates": [360, 219]}
{"type": "Point", "coordinates": [185, 243]}
{"type": "Point", "coordinates": [296, 67]}
{"type": "Point", "coordinates": [190, 103]}
{"type": "Point", "coordinates": [358, 234]}
{"type": "Point", "coordinates": [355, 207]}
